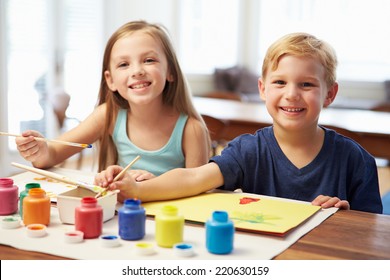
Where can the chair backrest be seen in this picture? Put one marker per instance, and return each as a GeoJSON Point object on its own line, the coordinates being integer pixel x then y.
{"type": "Point", "coordinates": [216, 129]}
{"type": "Point", "coordinates": [60, 103]}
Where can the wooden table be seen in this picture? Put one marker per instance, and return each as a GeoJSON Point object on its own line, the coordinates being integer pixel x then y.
{"type": "Point", "coordinates": [345, 235]}
{"type": "Point", "coordinates": [369, 128]}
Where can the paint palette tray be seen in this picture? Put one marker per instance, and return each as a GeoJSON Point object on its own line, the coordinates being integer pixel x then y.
{"type": "Point", "coordinates": [69, 200]}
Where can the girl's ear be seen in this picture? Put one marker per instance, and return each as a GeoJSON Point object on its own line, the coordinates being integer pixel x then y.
{"type": "Point", "coordinates": [261, 86]}
{"type": "Point", "coordinates": [109, 81]}
{"type": "Point", "coordinates": [170, 77]}
{"type": "Point", "coordinates": [331, 94]}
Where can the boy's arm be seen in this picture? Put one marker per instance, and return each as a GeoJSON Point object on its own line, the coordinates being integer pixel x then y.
{"type": "Point", "coordinates": [176, 183]}
{"type": "Point", "coordinates": [327, 202]}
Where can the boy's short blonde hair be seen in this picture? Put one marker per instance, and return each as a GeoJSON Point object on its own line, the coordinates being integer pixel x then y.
{"type": "Point", "coordinates": [302, 45]}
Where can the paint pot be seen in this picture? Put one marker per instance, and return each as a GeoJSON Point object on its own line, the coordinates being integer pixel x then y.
{"type": "Point", "coordinates": [36, 230]}
{"type": "Point", "coordinates": [109, 241]}
{"type": "Point", "coordinates": [24, 193]}
{"type": "Point", "coordinates": [74, 236]}
{"type": "Point", "coordinates": [184, 250]}
{"type": "Point", "coordinates": [131, 219]}
{"type": "Point", "coordinates": [89, 217]}
{"type": "Point", "coordinates": [36, 207]}
{"type": "Point", "coordinates": [169, 227]}
{"type": "Point", "coordinates": [144, 249]}
{"type": "Point", "coordinates": [8, 196]}
{"type": "Point", "coordinates": [219, 233]}
{"type": "Point", "coordinates": [10, 222]}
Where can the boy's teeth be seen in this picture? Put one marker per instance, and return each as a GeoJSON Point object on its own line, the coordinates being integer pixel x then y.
{"type": "Point", "coordinates": [292, 109]}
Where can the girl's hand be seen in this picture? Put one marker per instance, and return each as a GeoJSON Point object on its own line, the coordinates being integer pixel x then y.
{"type": "Point", "coordinates": [327, 202]}
{"type": "Point", "coordinates": [141, 175]}
{"type": "Point", "coordinates": [106, 177]}
{"type": "Point", "coordinates": [126, 185]}
{"type": "Point", "coordinates": [29, 148]}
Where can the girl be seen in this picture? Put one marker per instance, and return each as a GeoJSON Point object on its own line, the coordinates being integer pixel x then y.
{"type": "Point", "coordinates": [144, 108]}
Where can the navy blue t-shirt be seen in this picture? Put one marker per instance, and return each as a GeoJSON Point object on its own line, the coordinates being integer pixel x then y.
{"type": "Point", "coordinates": [256, 164]}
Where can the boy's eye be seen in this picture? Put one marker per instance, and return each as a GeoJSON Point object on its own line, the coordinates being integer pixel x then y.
{"type": "Point", "coordinates": [279, 82]}
{"type": "Point", "coordinates": [307, 84]}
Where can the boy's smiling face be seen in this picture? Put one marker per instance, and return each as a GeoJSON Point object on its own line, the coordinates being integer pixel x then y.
{"type": "Point", "coordinates": [296, 92]}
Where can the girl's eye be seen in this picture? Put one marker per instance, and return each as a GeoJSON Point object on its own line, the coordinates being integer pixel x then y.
{"type": "Point", "coordinates": [149, 60]}
{"type": "Point", "coordinates": [123, 64]}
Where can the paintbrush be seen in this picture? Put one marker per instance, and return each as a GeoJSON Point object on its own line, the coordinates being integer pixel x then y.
{"type": "Point", "coordinates": [120, 174]}
{"type": "Point", "coordinates": [59, 177]}
{"type": "Point", "coordinates": [50, 140]}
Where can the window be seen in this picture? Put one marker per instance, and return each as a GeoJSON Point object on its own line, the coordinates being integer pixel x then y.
{"type": "Point", "coordinates": [51, 44]}
{"type": "Point", "coordinates": [208, 35]}
{"type": "Point", "coordinates": [27, 62]}
{"type": "Point", "coordinates": [83, 53]}
{"type": "Point", "coordinates": [357, 29]}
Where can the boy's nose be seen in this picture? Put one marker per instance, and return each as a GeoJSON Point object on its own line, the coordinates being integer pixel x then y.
{"type": "Point", "coordinates": [292, 93]}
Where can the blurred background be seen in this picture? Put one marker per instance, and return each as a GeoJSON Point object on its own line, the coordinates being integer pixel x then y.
{"type": "Point", "coordinates": [51, 51]}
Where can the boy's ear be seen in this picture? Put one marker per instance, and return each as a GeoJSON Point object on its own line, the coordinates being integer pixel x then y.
{"type": "Point", "coordinates": [331, 94]}
{"type": "Point", "coordinates": [261, 86]}
{"type": "Point", "coordinates": [109, 81]}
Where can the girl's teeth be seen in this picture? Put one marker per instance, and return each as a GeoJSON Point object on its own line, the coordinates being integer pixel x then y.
{"type": "Point", "coordinates": [140, 85]}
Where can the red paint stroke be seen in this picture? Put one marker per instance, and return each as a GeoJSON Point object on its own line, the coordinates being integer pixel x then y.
{"type": "Point", "coordinates": [247, 200]}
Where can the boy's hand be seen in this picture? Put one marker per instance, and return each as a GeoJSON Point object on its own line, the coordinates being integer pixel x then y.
{"type": "Point", "coordinates": [327, 202]}
{"type": "Point", "coordinates": [29, 148]}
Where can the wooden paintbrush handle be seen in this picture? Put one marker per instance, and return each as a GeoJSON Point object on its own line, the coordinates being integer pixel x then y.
{"type": "Point", "coordinates": [52, 175]}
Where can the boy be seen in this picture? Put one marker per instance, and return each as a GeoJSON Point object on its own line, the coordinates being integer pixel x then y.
{"type": "Point", "coordinates": [295, 158]}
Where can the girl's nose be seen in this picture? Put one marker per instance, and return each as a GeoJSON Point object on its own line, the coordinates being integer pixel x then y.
{"type": "Point", "coordinates": [138, 71]}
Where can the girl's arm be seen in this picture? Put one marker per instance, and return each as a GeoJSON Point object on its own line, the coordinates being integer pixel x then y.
{"type": "Point", "coordinates": [176, 183]}
{"type": "Point", "coordinates": [196, 147]}
{"type": "Point", "coordinates": [45, 155]}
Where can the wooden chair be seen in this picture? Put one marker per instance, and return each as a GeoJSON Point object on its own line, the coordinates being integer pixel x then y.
{"type": "Point", "coordinates": [224, 95]}
{"type": "Point", "coordinates": [60, 103]}
{"type": "Point", "coordinates": [382, 107]}
{"type": "Point", "coordinates": [216, 129]}
{"type": "Point", "coordinates": [345, 132]}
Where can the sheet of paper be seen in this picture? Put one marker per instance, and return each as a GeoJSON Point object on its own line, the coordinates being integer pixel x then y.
{"type": "Point", "coordinates": [248, 212]}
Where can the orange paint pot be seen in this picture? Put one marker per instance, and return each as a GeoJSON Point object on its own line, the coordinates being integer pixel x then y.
{"type": "Point", "coordinates": [36, 230]}
{"type": "Point", "coordinates": [36, 207]}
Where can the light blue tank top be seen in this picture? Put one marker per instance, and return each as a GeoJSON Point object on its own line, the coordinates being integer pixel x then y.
{"type": "Point", "coordinates": [157, 162]}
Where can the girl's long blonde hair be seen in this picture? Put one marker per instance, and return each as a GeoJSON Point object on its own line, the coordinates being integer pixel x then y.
{"type": "Point", "coordinates": [175, 94]}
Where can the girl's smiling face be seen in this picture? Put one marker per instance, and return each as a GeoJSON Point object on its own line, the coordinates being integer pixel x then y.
{"type": "Point", "coordinates": [138, 68]}
{"type": "Point", "coordinates": [296, 92]}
